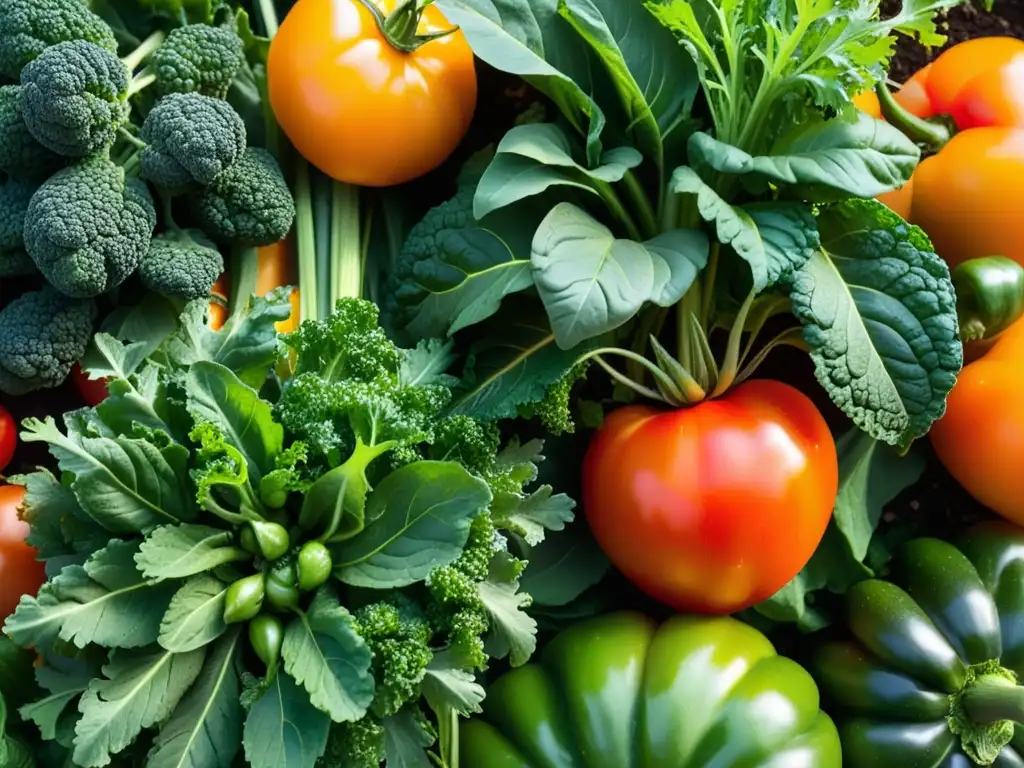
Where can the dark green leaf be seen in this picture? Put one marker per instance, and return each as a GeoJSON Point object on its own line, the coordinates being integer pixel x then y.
{"type": "Point", "coordinates": [283, 728]}
{"type": "Point", "coordinates": [195, 616]}
{"type": "Point", "coordinates": [48, 712]}
{"type": "Point", "coordinates": [531, 516]}
{"type": "Point", "coordinates": [563, 567]}
{"type": "Point", "coordinates": [179, 551]}
{"type": "Point", "coordinates": [406, 739]}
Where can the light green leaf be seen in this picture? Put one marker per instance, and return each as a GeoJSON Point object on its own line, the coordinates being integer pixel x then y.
{"type": "Point", "coordinates": [284, 729]}
{"type": "Point", "coordinates": [773, 238]}
{"type": "Point", "coordinates": [856, 157]}
{"type": "Point", "coordinates": [48, 711]}
{"type": "Point", "coordinates": [106, 601]}
{"type": "Point", "coordinates": [216, 395]}
{"type": "Point", "coordinates": [534, 515]}
{"type": "Point", "coordinates": [138, 692]}
{"type": "Point", "coordinates": [421, 515]}
{"type": "Point", "coordinates": [179, 551]}
{"type": "Point", "coordinates": [591, 282]}
{"type": "Point", "coordinates": [106, 357]}
{"type": "Point", "coordinates": [205, 729]}
{"type": "Point", "coordinates": [534, 157]}
{"type": "Point", "coordinates": [563, 567]}
{"type": "Point", "coordinates": [325, 654]}
{"type": "Point", "coordinates": [406, 740]}
{"type": "Point", "coordinates": [879, 315]}
{"type": "Point", "coordinates": [195, 616]}
{"type": "Point", "coordinates": [448, 682]}
{"type": "Point", "coordinates": [428, 363]}
{"type": "Point", "coordinates": [126, 485]}
{"type": "Point", "coordinates": [513, 631]}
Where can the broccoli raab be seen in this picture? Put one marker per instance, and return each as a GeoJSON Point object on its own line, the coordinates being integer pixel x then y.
{"type": "Point", "coordinates": [336, 556]}
{"type": "Point", "coordinates": [92, 133]}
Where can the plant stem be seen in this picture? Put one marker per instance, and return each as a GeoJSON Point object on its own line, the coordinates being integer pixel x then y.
{"type": "Point", "coordinates": [710, 277]}
{"type": "Point", "coordinates": [933, 135]}
{"type": "Point", "coordinates": [993, 698]}
{"type": "Point", "coordinates": [127, 136]}
{"type": "Point", "coordinates": [618, 210]}
{"type": "Point", "coordinates": [346, 244]}
{"type": "Point", "coordinates": [641, 205]}
{"type": "Point", "coordinates": [245, 272]}
{"type": "Point", "coordinates": [143, 52]}
{"type": "Point", "coordinates": [268, 15]}
{"type": "Point", "coordinates": [305, 239]}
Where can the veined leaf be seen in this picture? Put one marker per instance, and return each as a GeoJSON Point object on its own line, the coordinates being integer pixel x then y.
{"type": "Point", "coordinates": [179, 551]}
{"type": "Point", "coordinates": [139, 691]}
{"type": "Point", "coordinates": [592, 283]}
{"type": "Point", "coordinates": [59, 525]}
{"type": "Point", "coordinates": [62, 690]}
{"type": "Point", "coordinates": [428, 363]}
{"type": "Point", "coordinates": [513, 632]}
{"type": "Point", "coordinates": [106, 601]}
{"type": "Point", "coordinates": [283, 728]}
{"type": "Point", "coordinates": [533, 516]}
{"type": "Point", "coordinates": [195, 616]}
{"type": "Point", "coordinates": [448, 682]}
{"type": "Point", "coordinates": [879, 315]}
{"type": "Point", "coordinates": [325, 655]}
{"type": "Point", "coordinates": [406, 739]}
{"type": "Point", "coordinates": [205, 729]}
{"type": "Point", "coordinates": [773, 238]}
{"type": "Point", "coordinates": [106, 357]}
{"type": "Point", "coordinates": [124, 484]}
{"type": "Point", "coordinates": [420, 516]}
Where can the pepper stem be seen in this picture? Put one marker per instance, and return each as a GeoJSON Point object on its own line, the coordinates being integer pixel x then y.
{"type": "Point", "coordinates": [400, 27]}
{"type": "Point", "coordinates": [992, 698]}
{"type": "Point", "coordinates": [933, 135]}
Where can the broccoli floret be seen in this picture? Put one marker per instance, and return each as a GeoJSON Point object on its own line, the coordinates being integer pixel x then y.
{"type": "Point", "coordinates": [554, 410]}
{"type": "Point", "coordinates": [198, 59]}
{"type": "Point", "coordinates": [74, 98]}
{"type": "Point", "coordinates": [472, 443]}
{"type": "Point", "coordinates": [399, 637]}
{"type": "Point", "coordinates": [29, 27]}
{"type": "Point", "coordinates": [181, 264]}
{"type": "Point", "coordinates": [190, 139]}
{"type": "Point", "coordinates": [14, 199]}
{"type": "Point", "coordinates": [21, 156]}
{"type": "Point", "coordinates": [42, 334]}
{"type": "Point", "coordinates": [87, 227]}
{"type": "Point", "coordinates": [355, 745]}
{"type": "Point", "coordinates": [249, 204]}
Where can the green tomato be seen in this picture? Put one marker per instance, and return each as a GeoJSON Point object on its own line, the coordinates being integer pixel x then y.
{"type": "Point", "coordinates": [244, 599]}
{"type": "Point", "coordinates": [989, 296]}
{"type": "Point", "coordinates": [266, 634]}
{"type": "Point", "coordinates": [315, 565]}
{"type": "Point", "coordinates": [282, 589]}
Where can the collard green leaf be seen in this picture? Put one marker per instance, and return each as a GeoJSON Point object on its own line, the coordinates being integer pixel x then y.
{"type": "Point", "coordinates": [591, 282]}
{"type": "Point", "coordinates": [513, 631]}
{"type": "Point", "coordinates": [879, 315]}
{"type": "Point", "coordinates": [106, 601]}
{"type": "Point", "coordinates": [205, 728]}
{"type": "Point", "coordinates": [179, 551]}
{"type": "Point", "coordinates": [283, 728]}
{"type": "Point", "coordinates": [218, 396]}
{"type": "Point", "coordinates": [138, 692]}
{"type": "Point", "coordinates": [773, 238]}
{"type": "Point", "coordinates": [406, 739]}
{"type": "Point", "coordinates": [823, 159]}
{"type": "Point", "coordinates": [150, 322]}
{"type": "Point", "coordinates": [448, 683]}
{"type": "Point", "coordinates": [124, 484]}
{"type": "Point", "coordinates": [195, 616]}
{"type": "Point", "coordinates": [563, 567]}
{"type": "Point", "coordinates": [534, 157]}
{"type": "Point", "coordinates": [325, 654]}
{"type": "Point", "coordinates": [420, 517]}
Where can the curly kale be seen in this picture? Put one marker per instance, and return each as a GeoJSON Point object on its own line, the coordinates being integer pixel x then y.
{"type": "Point", "coordinates": [181, 264]}
{"type": "Point", "coordinates": [190, 139]}
{"type": "Point", "coordinates": [399, 636]}
{"type": "Point", "coordinates": [88, 227]}
{"type": "Point", "coordinates": [555, 412]}
{"type": "Point", "coordinates": [21, 156]}
{"type": "Point", "coordinates": [474, 444]}
{"type": "Point", "coordinates": [29, 27]}
{"type": "Point", "coordinates": [249, 204]}
{"type": "Point", "coordinates": [355, 745]}
{"type": "Point", "coordinates": [74, 98]}
{"type": "Point", "coordinates": [42, 334]}
{"type": "Point", "coordinates": [198, 58]}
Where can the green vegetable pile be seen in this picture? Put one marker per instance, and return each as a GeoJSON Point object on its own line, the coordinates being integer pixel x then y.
{"type": "Point", "coordinates": [291, 572]}
{"type": "Point", "coordinates": [101, 157]}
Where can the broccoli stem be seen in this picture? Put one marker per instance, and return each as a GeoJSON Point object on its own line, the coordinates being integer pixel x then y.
{"type": "Point", "coordinates": [305, 240]}
{"type": "Point", "coordinates": [143, 52]}
{"type": "Point", "coordinates": [245, 271]}
{"type": "Point", "coordinates": [346, 244]}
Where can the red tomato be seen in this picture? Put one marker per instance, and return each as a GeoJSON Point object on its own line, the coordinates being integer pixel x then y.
{"type": "Point", "coordinates": [994, 97]}
{"type": "Point", "coordinates": [8, 437]}
{"type": "Point", "coordinates": [716, 507]}
{"type": "Point", "coordinates": [20, 572]}
{"type": "Point", "coordinates": [92, 391]}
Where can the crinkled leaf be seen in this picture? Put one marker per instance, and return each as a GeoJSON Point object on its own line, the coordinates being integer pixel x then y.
{"type": "Point", "coordinates": [136, 692]}
{"type": "Point", "coordinates": [513, 631]}
{"type": "Point", "coordinates": [326, 655]}
{"type": "Point", "coordinates": [195, 616]}
{"type": "Point", "coordinates": [879, 315]}
{"type": "Point", "coordinates": [178, 551]}
{"type": "Point", "coordinates": [48, 711]}
{"type": "Point", "coordinates": [420, 516]}
{"type": "Point", "coordinates": [448, 683]}
{"type": "Point", "coordinates": [106, 601]}
{"type": "Point", "coordinates": [59, 526]}
{"type": "Point", "coordinates": [283, 728]}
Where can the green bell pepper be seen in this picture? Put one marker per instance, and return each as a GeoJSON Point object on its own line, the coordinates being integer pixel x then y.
{"type": "Point", "coordinates": [928, 679]}
{"type": "Point", "coordinates": [989, 296]}
{"type": "Point", "coordinates": [619, 691]}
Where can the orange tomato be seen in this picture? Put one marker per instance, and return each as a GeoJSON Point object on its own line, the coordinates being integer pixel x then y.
{"type": "Point", "coordinates": [994, 97]}
{"type": "Point", "coordinates": [358, 108]}
{"type": "Point", "coordinates": [967, 197]}
{"type": "Point", "coordinates": [715, 507]}
{"type": "Point", "coordinates": [867, 102]}
{"type": "Point", "coordinates": [275, 270]}
{"type": "Point", "coordinates": [913, 96]}
{"type": "Point", "coordinates": [20, 572]}
{"type": "Point", "coordinates": [980, 439]}
{"type": "Point", "coordinates": [961, 65]}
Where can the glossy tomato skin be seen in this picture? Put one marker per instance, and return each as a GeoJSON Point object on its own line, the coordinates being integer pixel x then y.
{"type": "Point", "coordinates": [962, 66]}
{"type": "Point", "coordinates": [980, 439]}
{"type": "Point", "coordinates": [92, 391]}
{"type": "Point", "coordinates": [8, 437]}
{"type": "Point", "coordinates": [357, 108]}
{"type": "Point", "coordinates": [994, 97]}
{"type": "Point", "coordinates": [715, 507]}
{"type": "Point", "coordinates": [20, 572]}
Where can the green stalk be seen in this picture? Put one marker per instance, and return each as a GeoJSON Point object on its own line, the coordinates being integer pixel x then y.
{"type": "Point", "coordinates": [322, 206]}
{"type": "Point", "coordinates": [305, 243]}
{"type": "Point", "coordinates": [992, 698]}
{"type": "Point", "coordinates": [245, 272]}
{"type": "Point", "coordinates": [346, 244]}
{"type": "Point", "coordinates": [933, 135]}
{"type": "Point", "coordinates": [618, 210]}
{"type": "Point", "coordinates": [268, 15]}
{"type": "Point", "coordinates": [641, 205]}
{"type": "Point", "coordinates": [140, 54]}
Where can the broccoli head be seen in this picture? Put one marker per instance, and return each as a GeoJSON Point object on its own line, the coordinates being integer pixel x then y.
{"type": "Point", "coordinates": [87, 227]}
{"type": "Point", "coordinates": [198, 59]}
{"type": "Point", "coordinates": [29, 27]}
{"type": "Point", "coordinates": [190, 138]}
{"type": "Point", "coordinates": [74, 98]}
{"type": "Point", "coordinates": [21, 156]}
{"type": "Point", "coordinates": [182, 264]}
{"type": "Point", "coordinates": [42, 334]}
{"type": "Point", "coordinates": [399, 637]}
{"type": "Point", "coordinates": [249, 204]}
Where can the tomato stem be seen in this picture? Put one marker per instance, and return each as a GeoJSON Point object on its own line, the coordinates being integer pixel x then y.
{"type": "Point", "coordinates": [933, 135]}
{"type": "Point", "coordinates": [400, 27]}
{"type": "Point", "coordinates": [730, 365]}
